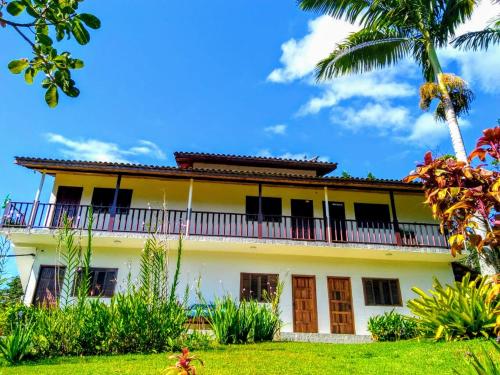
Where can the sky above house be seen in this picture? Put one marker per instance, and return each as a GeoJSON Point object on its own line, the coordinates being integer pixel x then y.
{"type": "Point", "coordinates": [230, 77]}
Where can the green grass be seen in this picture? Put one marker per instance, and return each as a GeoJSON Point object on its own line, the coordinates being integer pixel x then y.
{"type": "Point", "coordinates": [408, 357]}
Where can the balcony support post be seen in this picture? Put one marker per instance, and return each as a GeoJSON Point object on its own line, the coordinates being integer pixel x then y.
{"type": "Point", "coordinates": [189, 206]}
{"type": "Point", "coordinates": [328, 229]}
{"type": "Point", "coordinates": [260, 216]}
{"type": "Point", "coordinates": [36, 202]}
{"type": "Point", "coordinates": [112, 211]}
{"type": "Point", "coordinates": [397, 232]}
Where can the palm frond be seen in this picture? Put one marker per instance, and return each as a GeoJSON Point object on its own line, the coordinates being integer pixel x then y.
{"type": "Point", "coordinates": [478, 39]}
{"type": "Point", "coordinates": [364, 51]}
{"type": "Point", "coordinates": [348, 9]}
{"type": "Point", "coordinates": [421, 56]}
{"type": "Point", "coordinates": [452, 14]}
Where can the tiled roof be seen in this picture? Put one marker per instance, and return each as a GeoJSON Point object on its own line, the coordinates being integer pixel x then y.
{"type": "Point", "coordinates": [54, 165]}
{"type": "Point", "coordinates": [186, 159]}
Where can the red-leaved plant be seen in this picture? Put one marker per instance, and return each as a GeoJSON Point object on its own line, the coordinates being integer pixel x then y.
{"type": "Point", "coordinates": [465, 198]}
{"type": "Point", "coordinates": [183, 365]}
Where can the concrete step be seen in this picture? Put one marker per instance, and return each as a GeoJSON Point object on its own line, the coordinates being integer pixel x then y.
{"type": "Point", "coordinates": [325, 338]}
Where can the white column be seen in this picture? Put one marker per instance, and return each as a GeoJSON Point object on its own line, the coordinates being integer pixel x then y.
{"type": "Point", "coordinates": [37, 200]}
{"type": "Point", "coordinates": [327, 214]}
{"type": "Point", "coordinates": [190, 205]}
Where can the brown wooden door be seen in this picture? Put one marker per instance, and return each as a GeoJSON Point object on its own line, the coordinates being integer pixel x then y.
{"type": "Point", "coordinates": [48, 286]}
{"type": "Point", "coordinates": [302, 219]}
{"type": "Point", "coordinates": [340, 301]}
{"type": "Point", "coordinates": [305, 314]}
{"type": "Point", "coordinates": [67, 203]}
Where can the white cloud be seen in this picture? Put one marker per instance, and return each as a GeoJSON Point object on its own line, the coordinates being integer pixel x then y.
{"type": "Point", "coordinates": [383, 117]}
{"type": "Point", "coordinates": [299, 57]}
{"type": "Point", "coordinates": [95, 150]}
{"type": "Point", "coordinates": [478, 67]}
{"type": "Point", "coordinates": [289, 155]}
{"type": "Point", "coordinates": [279, 129]}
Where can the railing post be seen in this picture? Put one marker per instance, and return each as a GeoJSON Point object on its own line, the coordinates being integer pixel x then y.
{"type": "Point", "coordinates": [397, 232]}
{"type": "Point", "coordinates": [189, 206]}
{"type": "Point", "coordinates": [260, 217]}
{"type": "Point", "coordinates": [327, 215]}
{"type": "Point", "coordinates": [34, 209]}
{"type": "Point", "coordinates": [112, 211]}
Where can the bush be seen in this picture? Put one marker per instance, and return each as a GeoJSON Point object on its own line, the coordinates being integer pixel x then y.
{"type": "Point", "coordinates": [463, 310]}
{"type": "Point", "coordinates": [17, 345]}
{"type": "Point", "coordinates": [392, 326]}
{"type": "Point", "coordinates": [238, 323]}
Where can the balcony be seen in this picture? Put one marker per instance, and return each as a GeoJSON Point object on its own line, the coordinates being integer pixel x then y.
{"type": "Point", "coordinates": [222, 224]}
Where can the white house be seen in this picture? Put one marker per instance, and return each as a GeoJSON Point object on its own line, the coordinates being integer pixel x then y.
{"type": "Point", "coordinates": [345, 248]}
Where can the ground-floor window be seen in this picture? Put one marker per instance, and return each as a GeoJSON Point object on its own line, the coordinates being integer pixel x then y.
{"type": "Point", "coordinates": [384, 292]}
{"type": "Point", "coordinates": [102, 282]}
{"type": "Point", "coordinates": [48, 286]}
{"type": "Point", "coordinates": [257, 286]}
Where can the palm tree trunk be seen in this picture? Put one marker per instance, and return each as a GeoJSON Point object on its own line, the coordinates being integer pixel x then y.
{"type": "Point", "coordinates": [451, 118]}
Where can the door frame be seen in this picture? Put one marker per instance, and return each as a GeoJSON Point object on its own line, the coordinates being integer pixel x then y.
{"type": "Point", "coordinates": [315, 302]}
{"type": "Point", "coordinates": [342, 222]}
{"type": "Point", "coordinates": [310, 231]}
{"type": "Point", "coordinates": [328, 278]}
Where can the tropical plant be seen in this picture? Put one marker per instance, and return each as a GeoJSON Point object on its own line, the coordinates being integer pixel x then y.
{"type": "Point", "coordinates": [466, 199]}
{"type": "Point", "coordinates": [484, 363]}
{"type": "Point", "coordinates": [392, 31]}
{"type": "Point", "coordinates": [4, 251]}
{"type": "Point", "coordinates": [480, 39]}
{"type": "Point", "coordinates": [11, 293]}
{"type": "Point", "coordinates": [16, 346]}
{"type": "Point", "coordinates": [184, 364]}
{"type": "Point", "coordinates": [464, 310]}
{"type": "Point", "coordinates": [42, 21]}
{"type": "Point", "coordinates": [392, 326]}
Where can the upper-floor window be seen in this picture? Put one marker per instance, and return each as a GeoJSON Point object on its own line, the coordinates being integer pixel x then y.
{"type": "Point", "coordinates": [383, 292]}
{"type": "Point", "coordinates": [257, 286]}
{"type": "Point", "coordinates": [102, 282]}
{"type": "Point", "coordinates": [371, 215]}
{"type": "Point", "coordinates": [271, 209]}
{"type": "Point", "coordinates": [102, 200]}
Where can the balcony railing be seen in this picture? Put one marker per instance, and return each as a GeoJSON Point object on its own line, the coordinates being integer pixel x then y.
{"type": "Point", "coordinates": [222, 224]}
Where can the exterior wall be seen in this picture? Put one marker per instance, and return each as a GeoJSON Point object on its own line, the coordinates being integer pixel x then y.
{"type": "Point", "coordinates": [220, 273]}
{"type": "Point", "coordinates": [228, 197]}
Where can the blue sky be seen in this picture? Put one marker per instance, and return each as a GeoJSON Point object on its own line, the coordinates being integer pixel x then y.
{"type": "Point", "coordinates": [229, 77]}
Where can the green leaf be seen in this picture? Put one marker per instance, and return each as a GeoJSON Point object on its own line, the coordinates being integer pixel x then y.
{"type": "Point", "coordinates": [77, 64]}
{"type": "Point", "coordinates": [15, 8]}
{"type": "Point", "coordinates": [80, 33]}
{"type": "Point", "coordinates": [44, 39]}
{"type": "Point", "coordinates": [29, 74]}
{"type": "Point", "coordinates": [52, 96]}
{"type": "Point", "coordinates": [90, 20]}
{"type": "Point", "coordinates": [17, 66]}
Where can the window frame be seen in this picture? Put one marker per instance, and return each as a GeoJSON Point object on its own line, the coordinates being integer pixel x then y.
{"type": "Point", "coordinates": [243, 295]}
{"type": "Point", "coordinates": [266, 217]}
{"type": "Point", "coordinates": [381, 279]}
{"type": "Point", "coordinates": [123, 195]}
{"type": "Point", "coordinates": [93, 281]}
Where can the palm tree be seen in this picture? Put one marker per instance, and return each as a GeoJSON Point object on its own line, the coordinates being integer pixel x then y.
{"type": "Point", "coordinates": [393, 30]}
{"type": "Point", "coordinates": [480, 39]}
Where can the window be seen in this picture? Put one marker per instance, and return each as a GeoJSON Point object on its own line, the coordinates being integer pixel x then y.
{"type": "Point", "coordinates": [383, 292]}
{"type": "Point", "coordinates": [271, 209]}
{"type": "Point", "coordinates": [102, 282]}
{"type": "Point", "coordinates": [48, 286]}
{"type": "Point", "coordinates": [257, 286]}
{"type": "Point", "coordinates": [102, 200]}
{"type": "Point", "coordinates": [370, 215]}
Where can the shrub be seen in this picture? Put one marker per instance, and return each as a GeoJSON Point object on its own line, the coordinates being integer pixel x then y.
{"type": "Point", "coordinates": [17, 345]}
{"type": "Point", "coordinates": [463, 310]}
{"type": "Point", "coordinates": [392, 326]}
{"type": "Point", "coordinates": [485, 363]}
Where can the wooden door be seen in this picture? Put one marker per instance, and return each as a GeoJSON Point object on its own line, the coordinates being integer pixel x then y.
{"type": "Point", "coordinates": [338, 225]}
{"type": "Point", "coordinates": [67, 203]}
{"type": "Point", "coordinates": [305, 314]}
{"type": "Point", "coordinates": [302, 219]}
{"type": "Point", "coordinates": [340, 301]}
{"type": "Point", "coordinates": [48, 286]}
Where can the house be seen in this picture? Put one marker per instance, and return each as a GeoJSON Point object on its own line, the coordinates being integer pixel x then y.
{"type": "Point", "coordinates": [345, 248]}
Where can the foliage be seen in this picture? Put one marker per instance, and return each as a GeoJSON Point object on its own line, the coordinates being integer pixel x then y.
{"type": "Point", "coordinates": [4, 251]}
{"type": "Point", "coordinates": [16, 346]}
{"type": "Point", "coordinates": [11, 293]}
{"type": "Point", "coordinates": [484, 364]}
{"type": "Point", "coordinates": [479, 39]}
{"type": "Point", "coordinates": [184, 364]}
{"type": "Point", "coordinates": [463, 310]}
{"type": "Point", "coordinates": [345, 174]}
{"type": "Point", "coordinates": [392, 326]}
{"type": "Point", "coordinates": [245, 321]}
{"type": "Point", "coordinates": [370, 176]}
{"type": "Point", "coordinates": [465, 198]}
{"type": "Point", "coordinates": [48, 19]}
{"type": "Point", "coordinates": [460, 95]}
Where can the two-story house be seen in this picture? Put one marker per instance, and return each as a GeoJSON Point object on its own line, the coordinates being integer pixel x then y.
{"type": "Point", "coordinates": [345, 248]}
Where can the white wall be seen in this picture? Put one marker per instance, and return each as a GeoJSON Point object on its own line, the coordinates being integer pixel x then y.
{"type": "Point", "coordinates": [220, 274]}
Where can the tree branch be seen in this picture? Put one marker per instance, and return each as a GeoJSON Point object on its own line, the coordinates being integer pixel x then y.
{"type": "Point", "coordinates": [24, 36]}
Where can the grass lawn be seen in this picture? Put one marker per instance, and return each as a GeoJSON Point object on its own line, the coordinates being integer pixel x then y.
{"type": "Point", "coordinates": [278, 358]}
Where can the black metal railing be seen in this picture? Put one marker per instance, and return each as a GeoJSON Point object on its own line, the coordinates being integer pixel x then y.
{"type": "Point", "coordinates": [221, 224]}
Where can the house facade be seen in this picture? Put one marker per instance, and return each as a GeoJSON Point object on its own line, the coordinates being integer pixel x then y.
{"type": "Point", "coordinates": [344, 248]}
